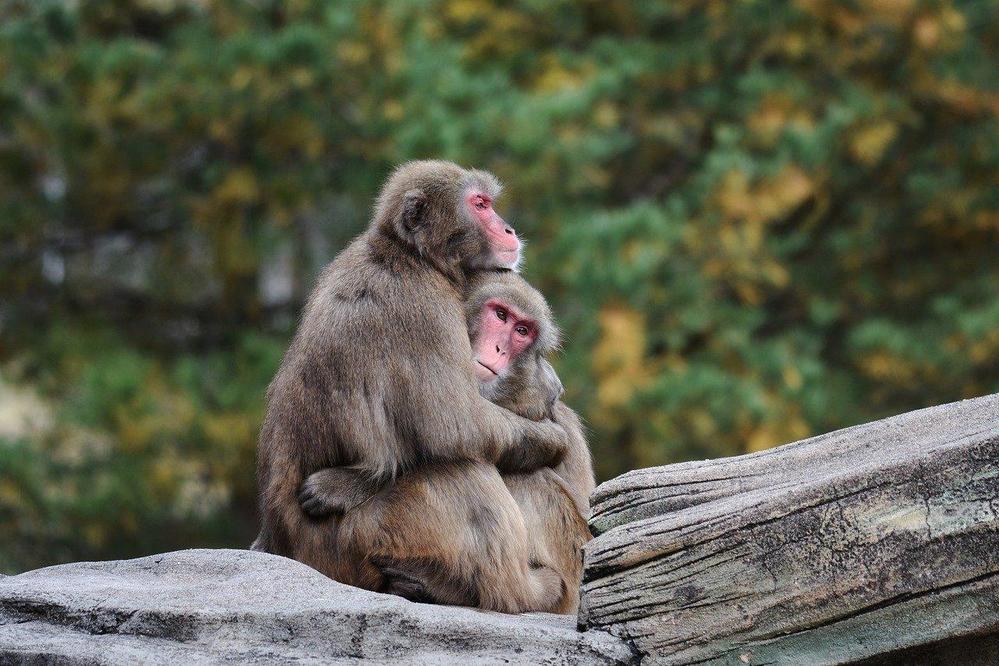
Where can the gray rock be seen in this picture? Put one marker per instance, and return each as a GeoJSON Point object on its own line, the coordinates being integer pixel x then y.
{"type": "Point", "coordinates": [208, 606]}
{"type": "Point", "coordinates": [878, 542]}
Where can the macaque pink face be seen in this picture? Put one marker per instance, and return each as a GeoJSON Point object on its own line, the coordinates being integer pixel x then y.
{"type": "Point", "coordinates": [502, 238]}
{"type": "Point", "coordinates": [504, 333]}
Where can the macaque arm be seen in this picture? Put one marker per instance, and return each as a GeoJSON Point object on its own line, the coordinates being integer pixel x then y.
{"type": "Point", "coordinates": [517, 444]}
{"type": "Point", "coordinates": [451, 421]}
{"type": "Point", "coordinates": [577, 466]}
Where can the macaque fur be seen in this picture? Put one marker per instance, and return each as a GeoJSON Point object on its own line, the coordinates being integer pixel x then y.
{"type": "Point", "coordinates": [379, 374]}
{"type": "Point", "coordinates": [452, 533]}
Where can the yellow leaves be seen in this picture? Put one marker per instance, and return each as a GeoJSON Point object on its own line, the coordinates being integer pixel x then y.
{"type": "Point", "coordinates": [170, 414]}
{"type": "Point", "coordinates": [500, 29]}
{"type": "Point", "coordinates": [986, 220]}
{"type": "Point", "coordinates": [792, 377]}
{"type": "Point", "coordinates": [734, 196]}
{"type": "Point", "coordinates": [853, 18]}
{"type": "Point", "coordinates": [776, 114]}
{"type": "Point", "coordinates": [241, 78]}
{"type": "Point", "coordinates": [868, 144]}
{"type": "Point", "coordinates": [981, 349]}
{"type": "Point", "coordinates": [670, 126]}
{"type": "Point", "coordinates": [466, 11]}
{"type": "Point", "coordinates": [939, 31]}
{"type": "Point", "coordinates": [787, 191]}
{"type": "Point", "coordinates": [431, 27]}
{"type": "Point", "coordinates": [963, 99]}
{"type": "Point", "coordinates": [220, 131]}
{"type": "Point", "coordinates": [927, 32]}
{"type": "Point", "coordinates": [619, 362]}
{"type": "Point", "coordinates": [892, 12]}
{"type": "Point", "coordinates": [884, 367]}
{"type": "Point", "coordinates": [741, 256]}
{"type": "Point", "coordinates": [597, 177]}
{"type": "Point", "coordinates": [238, 187]}
{"type": "Point", "coordinates": [794, 44]}
{"type": "Point", "coordinates": [159, 411]}
{"type": "Point", "coordinates": [783, 426]}
{"type": "Point", "coordinates": [761, 439]}
{"type": "Point", "coordinates": [162, 475]}
{"type": "Point", "coordinates": [353, 53]}
{"type": "Point", "coordinates": [94, 535]}
{"type": "Point", "coordinates": [953, 20]}
{"type": "Point", "coordinates": [769, 200]}
{"type": "Point", "coordinates": [302, 77]}
{"type": "Point", "coordinates": [702, 424]}
{"type": "Point", "coordinates": [393, 110]}
{"type": "Point", "coordinates": [231, 430]}
{"type": "Point", "coordinates": [555, 77]}
{"type": "Point", "coordinates": [775, 273]}
{"type": "Point", "coordinates": [10, 493]}
{"type": "Point", "coordinates": [606, 115]}
{"type": "Point", "coordinates": [297, 133]}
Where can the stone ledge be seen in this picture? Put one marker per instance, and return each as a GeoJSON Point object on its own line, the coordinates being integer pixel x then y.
{"type": "Point", "coordinates": [206, 606]}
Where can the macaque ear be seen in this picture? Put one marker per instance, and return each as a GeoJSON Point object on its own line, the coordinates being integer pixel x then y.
{"type": "Point", "coordinates": [414, 203]}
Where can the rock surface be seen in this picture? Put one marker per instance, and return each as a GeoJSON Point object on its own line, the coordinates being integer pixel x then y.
{"type": "Point", "coordinates": [877, 542]}
{"type": "Point", "coordinates": [208, 606]}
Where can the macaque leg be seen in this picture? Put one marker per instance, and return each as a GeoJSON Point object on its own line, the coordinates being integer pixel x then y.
{"type": "Point", "coordinates": [558, 531]}
{"type": "Point", "coordinates": [452, 534]}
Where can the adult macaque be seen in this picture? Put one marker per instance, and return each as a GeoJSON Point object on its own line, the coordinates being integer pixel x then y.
{"type": "Point", "coordinates": [379, 375]}
{"type": "Point", "coordinates": [460, 533]}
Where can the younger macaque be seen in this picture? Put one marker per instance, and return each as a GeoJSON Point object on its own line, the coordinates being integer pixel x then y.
{"type": "Point", "coordinates": [460, 533]}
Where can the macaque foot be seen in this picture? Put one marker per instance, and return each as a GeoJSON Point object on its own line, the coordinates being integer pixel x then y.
{"type": "Point", "coordinates": [402, 583]}
{"type": "Point", "coordinates": [334, 491]}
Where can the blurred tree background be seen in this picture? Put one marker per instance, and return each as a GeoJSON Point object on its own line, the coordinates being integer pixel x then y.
{"type": "Point", "coordinates": [757, 220]}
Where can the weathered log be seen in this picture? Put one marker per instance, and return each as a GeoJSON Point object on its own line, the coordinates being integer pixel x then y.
{"type": "Point", "coordinates": [876, 540]}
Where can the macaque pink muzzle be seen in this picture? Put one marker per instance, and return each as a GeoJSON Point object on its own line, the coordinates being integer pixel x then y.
{"type": "Point", "coordinates": [493, 360]}
{"type": "Point", "coordinates": [503, 239]}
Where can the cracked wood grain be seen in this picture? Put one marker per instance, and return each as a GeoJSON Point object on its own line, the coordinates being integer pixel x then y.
{"type": "Point", "coordinates": [854, 545]}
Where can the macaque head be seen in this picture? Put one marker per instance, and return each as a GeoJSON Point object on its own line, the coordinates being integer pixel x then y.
{"type": "Point", "coordinates": [504, 332]}
{"type": "Point", "coordinates": [512, 331]}
{"type": "Point", "coordinates": [446, 215]}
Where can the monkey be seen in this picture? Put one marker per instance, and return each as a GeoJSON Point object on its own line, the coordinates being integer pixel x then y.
{"type": "Point", "coordinates": [378, 375]}
{"type": "Point", "coordinates": [411, 537]}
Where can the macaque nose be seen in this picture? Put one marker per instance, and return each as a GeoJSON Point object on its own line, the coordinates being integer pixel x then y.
{"type": "Point", "coordinates": [499, 351]}
{"type": "Point", "coordinates": [509, 230]}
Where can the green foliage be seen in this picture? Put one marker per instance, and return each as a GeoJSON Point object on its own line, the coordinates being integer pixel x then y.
{"type": "Point", "coordinates": [756, 220]}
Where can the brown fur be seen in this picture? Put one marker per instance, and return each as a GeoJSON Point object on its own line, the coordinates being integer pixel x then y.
{"type": "Point", "coordinates": [379, 375]}
{"type": "Point", "coordinates": [462, 533]}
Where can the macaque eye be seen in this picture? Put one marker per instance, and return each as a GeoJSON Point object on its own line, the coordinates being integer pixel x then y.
{"type": "Point", "coordinates": [480, 204]}
{"type": "Point", "coordinates": [501, 314]}
{"type": "Point", "coordinates": [522, 330]}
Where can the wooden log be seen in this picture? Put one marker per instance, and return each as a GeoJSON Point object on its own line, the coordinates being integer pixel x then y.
{"type": "Point", "coordinates": [854, 545]}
